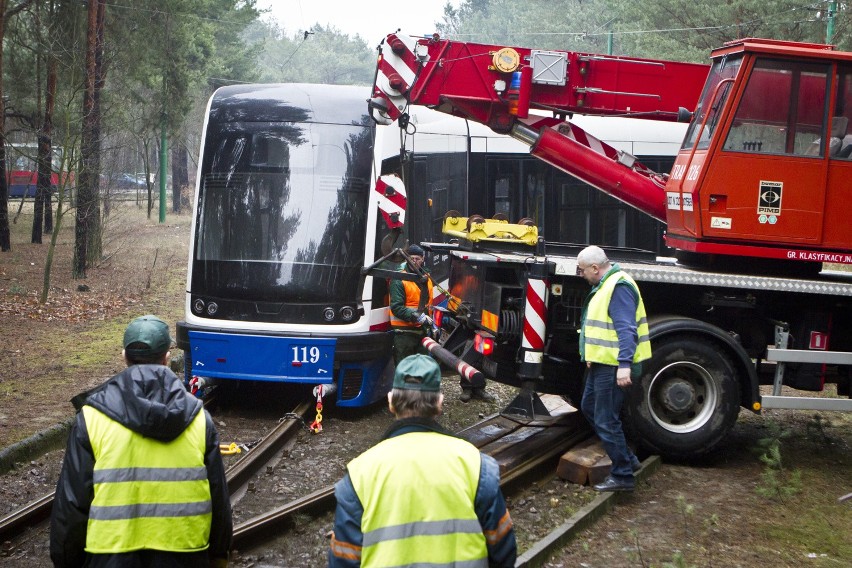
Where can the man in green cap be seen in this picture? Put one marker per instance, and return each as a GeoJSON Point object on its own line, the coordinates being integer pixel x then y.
{"type": "Point", "coordinates": [421, 496]}
{"type": "Point", "coordinates": [142, 483]}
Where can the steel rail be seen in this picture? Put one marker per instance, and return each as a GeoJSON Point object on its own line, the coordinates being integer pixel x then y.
{"type": "Point", "coordinates": [258, 528]}
{"type": "Point", "coordinates": [237, 476]}
{"type": "Point", "coordinates": [27, 516]}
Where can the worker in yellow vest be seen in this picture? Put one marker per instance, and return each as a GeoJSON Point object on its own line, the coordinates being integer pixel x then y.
{"type": "Point", "coordinates": [142, 482]}
{"type": "Point", "coordinates": [614, 340]}
{"type": "Point", "coordinates": [421, 496]}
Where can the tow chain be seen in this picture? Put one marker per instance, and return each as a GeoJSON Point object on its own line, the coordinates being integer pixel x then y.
{"type": "Point", "coordinates": [316, 425]}
{"type": "Point", "coordinates": [294, 416]}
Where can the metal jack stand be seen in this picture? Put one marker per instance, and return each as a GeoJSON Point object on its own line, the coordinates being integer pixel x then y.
{"type": "Point", "coordinates": [527, 405]}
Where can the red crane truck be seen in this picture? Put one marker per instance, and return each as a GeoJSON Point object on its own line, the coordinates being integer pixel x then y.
{"type": "Point", "coordinates": [756, 203]}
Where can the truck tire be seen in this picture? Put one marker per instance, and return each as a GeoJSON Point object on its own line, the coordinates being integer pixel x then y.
{"type": "Point", "coordinates": [685, 401]}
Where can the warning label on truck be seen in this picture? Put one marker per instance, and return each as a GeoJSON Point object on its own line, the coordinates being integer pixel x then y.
{"type": "Point", "coordinates": [769, 199]}
{"type": "Point", "coordinates": [676, 200]}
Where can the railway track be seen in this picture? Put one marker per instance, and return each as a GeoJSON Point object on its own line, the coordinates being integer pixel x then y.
{"type": "Point", "coordinates": [238, 476]}
{"type": "Point", "coordinates": [525, 450]}
{"type": "Point", "coordinates": [521, 448]}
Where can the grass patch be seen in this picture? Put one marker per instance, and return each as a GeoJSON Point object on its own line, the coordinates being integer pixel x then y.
{"type": "Point", "coordinates": [56, 350]}
{"type": "Point", "coordinates": [103, 343]}
{"type": "Point", "coordinates": [812, 523]}
{"type": "Point", "coordinates": [17, 290]}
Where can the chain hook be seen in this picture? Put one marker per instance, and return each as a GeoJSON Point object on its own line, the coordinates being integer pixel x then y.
{"type": "Point", "coordinates": [316, 425]}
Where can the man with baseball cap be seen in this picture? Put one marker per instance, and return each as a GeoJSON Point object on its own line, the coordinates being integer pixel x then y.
{"type": "Point", "coordinates": [147, 340]}
{"type": "Point", "coordinates": [142, 483]}
{"type": "Point", "coordinates": [421, 496]}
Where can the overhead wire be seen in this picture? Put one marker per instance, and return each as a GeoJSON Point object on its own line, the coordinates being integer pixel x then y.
{"type": "Point", "coordinates": [767, 19]}
{"type": "Point", "coordinates": [177, 13]}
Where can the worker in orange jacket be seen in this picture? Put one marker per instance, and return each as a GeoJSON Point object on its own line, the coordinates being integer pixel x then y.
{"type": "Point", "coordinates": [410, 315]}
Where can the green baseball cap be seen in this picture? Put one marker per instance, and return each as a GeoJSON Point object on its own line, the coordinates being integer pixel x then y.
{"type": "Point", "coordinates": [151, 331]}
{"type": "Point", "coordinates": [418, 372]}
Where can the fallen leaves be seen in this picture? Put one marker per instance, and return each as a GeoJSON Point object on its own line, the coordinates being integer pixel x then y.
{"type": "Point", "coordinates": [67, 306]}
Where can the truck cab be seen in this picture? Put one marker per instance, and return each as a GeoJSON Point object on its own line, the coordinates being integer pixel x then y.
{"type": "Point", "coordinates": [764, 168]}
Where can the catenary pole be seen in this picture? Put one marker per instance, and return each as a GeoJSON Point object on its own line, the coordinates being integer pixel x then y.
{"type": "Point", "coordinates": [829, 28]}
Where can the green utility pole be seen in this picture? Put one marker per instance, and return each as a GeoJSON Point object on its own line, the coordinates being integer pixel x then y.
{"type": "Point", "coordinates": [829, 28]}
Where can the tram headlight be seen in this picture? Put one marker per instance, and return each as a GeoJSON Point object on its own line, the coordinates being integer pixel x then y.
{"type": "Point", "coordinates": [328, 314]}
{"type": "Point", "coordinates": [198, 306]}
{"type": "Point", "coordinates": [212, 308]}
{"type": "Point", "coordinates": [347, 313]}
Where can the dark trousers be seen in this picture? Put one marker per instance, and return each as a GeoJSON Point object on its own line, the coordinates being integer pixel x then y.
{"type": "Point", "coordinates": [407, 342]}
{"type": "Point", "coordinates": [601, 404]}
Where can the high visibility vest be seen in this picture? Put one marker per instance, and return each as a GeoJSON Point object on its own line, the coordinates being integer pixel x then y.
{"type": "Point", "coordinates": [149, 494]}
{"type": "Point", "coordinates": [412, 300]}
{"type": "Point", "coordinates": [600, 341]}
{"type": "Point", "coordinates": [418, 491]}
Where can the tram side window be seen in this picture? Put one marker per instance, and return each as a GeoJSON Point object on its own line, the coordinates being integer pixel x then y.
{"type": "Point", "coordinates": [782, 110]}
{"type": "Point", "coordinates": [841, 135]}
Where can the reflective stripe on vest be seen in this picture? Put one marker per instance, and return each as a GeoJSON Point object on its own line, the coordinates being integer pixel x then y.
{"type": "Point", "coordinates": [412, 301]}
{"type": "Point", "coordinates": [418, 491]}
{"type": "Point", "coordinates": [148, 494]}
{"type": "Point", "coordinates": [600, 340]}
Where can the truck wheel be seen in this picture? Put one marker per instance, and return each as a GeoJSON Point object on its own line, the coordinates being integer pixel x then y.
{"type": "Point", "coordinates": [686, 400]}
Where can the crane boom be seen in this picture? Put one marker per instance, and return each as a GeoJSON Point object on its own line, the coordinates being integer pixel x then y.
{"type": "Point", "coordinates": [499, 86]}
{"type": "Point", "coordinates": [763, 167]}
{"type": "Point", "coordinates": [493, 85]}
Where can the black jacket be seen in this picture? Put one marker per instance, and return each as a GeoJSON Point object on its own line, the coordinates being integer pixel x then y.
{"type": "Point", "coordinates": [150, 400]}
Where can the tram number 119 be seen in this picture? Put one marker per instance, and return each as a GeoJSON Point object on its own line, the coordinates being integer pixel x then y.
{"type": "Point", "coordinates": [306, 354]}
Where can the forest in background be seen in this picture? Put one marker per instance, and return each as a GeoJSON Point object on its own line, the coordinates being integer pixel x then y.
{"type": "Point", "coordinates": [121, 86]}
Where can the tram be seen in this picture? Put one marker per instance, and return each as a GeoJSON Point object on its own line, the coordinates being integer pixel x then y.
{"type": "Point", "coordinates": [286, 214]}
{"type": "Point", "coordinates": [22, 169]}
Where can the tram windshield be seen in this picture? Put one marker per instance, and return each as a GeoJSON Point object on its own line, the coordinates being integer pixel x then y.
{"type": "Point", "coordinates": [282, 211]}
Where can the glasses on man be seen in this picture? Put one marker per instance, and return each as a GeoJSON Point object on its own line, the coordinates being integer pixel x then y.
{"type": "Point", "coordinates": [581, 270]}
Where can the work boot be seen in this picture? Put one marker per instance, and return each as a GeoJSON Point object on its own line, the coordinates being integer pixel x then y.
{"type": "Point", "coordinates": [612, 484]}
{"type": "Point", "coordinates": [635, 464]}
{"type": "Point", "coordinates": [466, 395]}
{"type": "Point", "coordinates": [483, 395]}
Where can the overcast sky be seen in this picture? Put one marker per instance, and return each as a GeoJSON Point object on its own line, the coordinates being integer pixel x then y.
{"type": "Point", "coordinates": [371, 19]}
